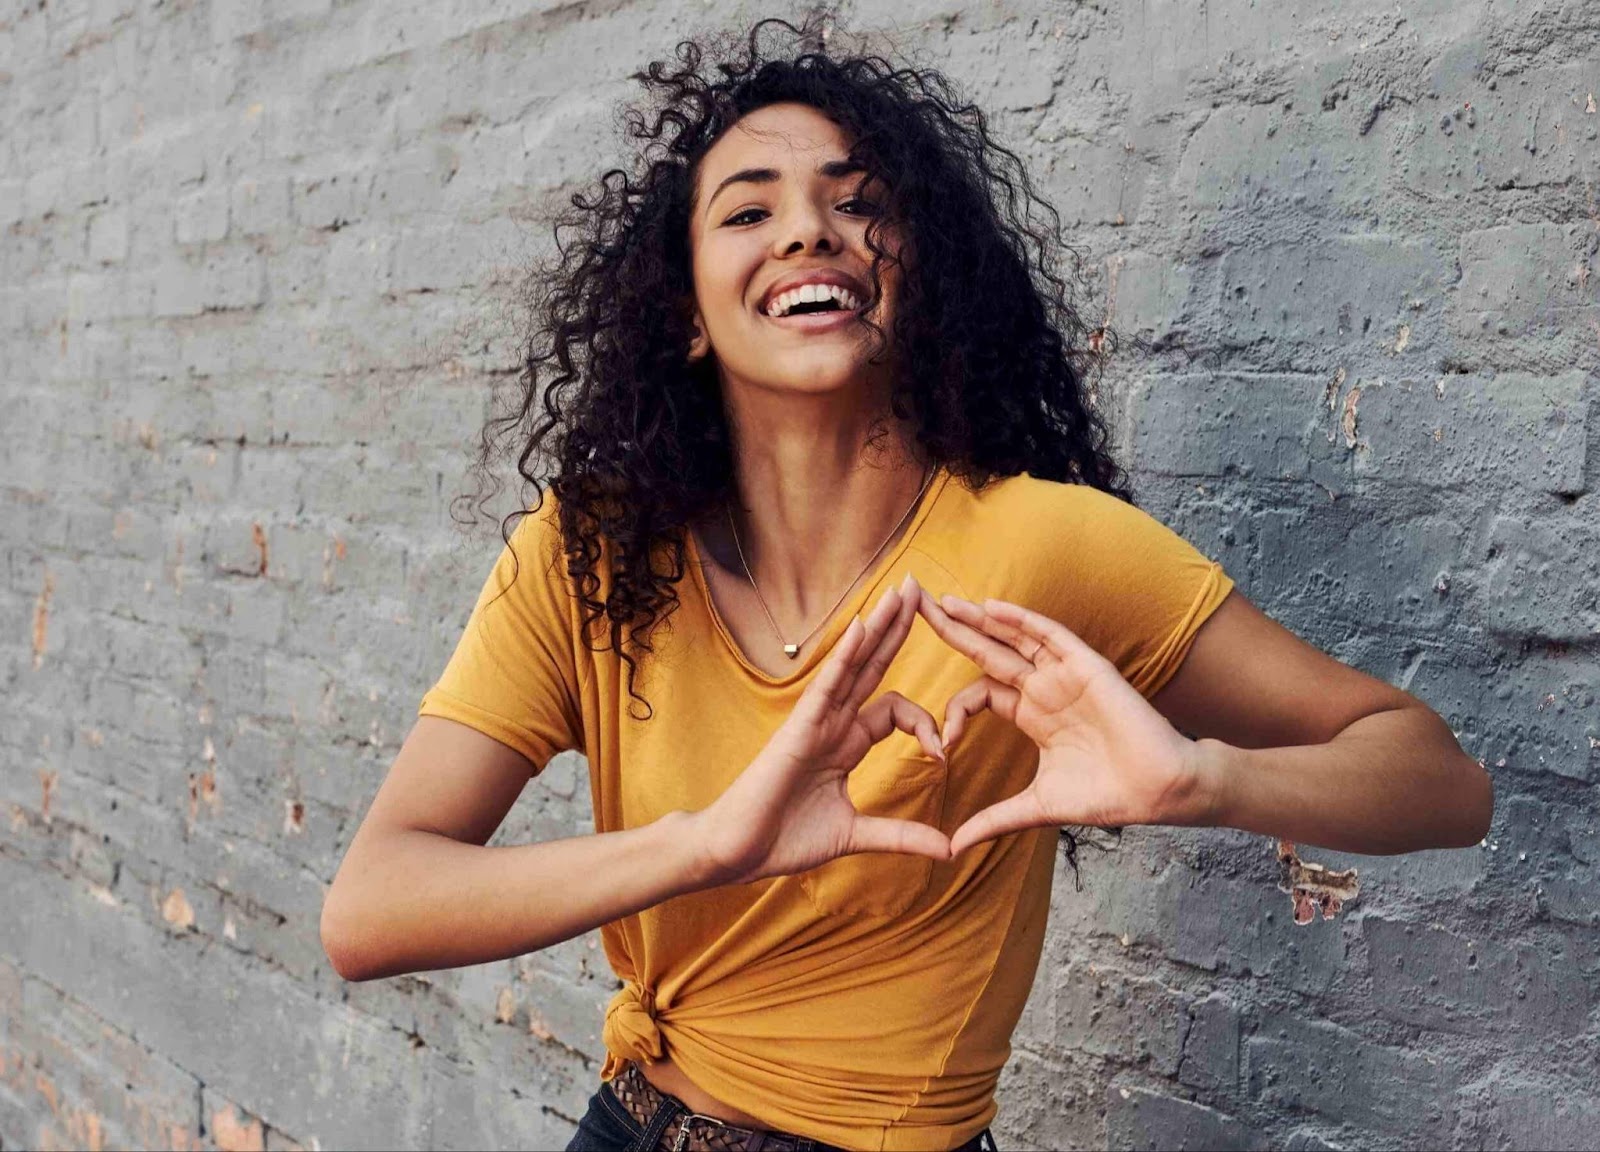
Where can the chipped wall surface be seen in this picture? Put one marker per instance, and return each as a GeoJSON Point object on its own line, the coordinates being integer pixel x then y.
{"type": "Point", "coordinates": [248, 257]}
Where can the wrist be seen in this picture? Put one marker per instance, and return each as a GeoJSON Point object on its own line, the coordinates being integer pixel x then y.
{"type": "Point", "coordinates": [685, 831]}
{"type": "Point", "coordinates": [1212, 771]}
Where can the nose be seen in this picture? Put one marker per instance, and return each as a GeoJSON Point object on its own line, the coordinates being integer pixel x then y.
{"type": "Point", "coordinates": [804, 226]}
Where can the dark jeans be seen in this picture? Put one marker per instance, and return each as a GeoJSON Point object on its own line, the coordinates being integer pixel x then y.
{"type": "Point", "coordinates": [607, 1127]}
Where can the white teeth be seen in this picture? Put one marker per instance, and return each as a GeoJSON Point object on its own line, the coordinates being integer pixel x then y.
{"type": "Point", "coordinates": [809, 294]}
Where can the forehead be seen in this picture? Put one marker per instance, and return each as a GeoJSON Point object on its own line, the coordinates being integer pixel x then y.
{"type": "Point", "coordinates": [774, 136]}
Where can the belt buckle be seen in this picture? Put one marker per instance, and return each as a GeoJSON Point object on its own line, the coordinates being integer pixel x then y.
{"type": "Point", "coordinates": [681, 1143]}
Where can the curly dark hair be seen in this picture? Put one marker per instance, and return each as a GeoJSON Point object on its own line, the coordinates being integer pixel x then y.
{"type": "Point", "coordinates": [993, 359]}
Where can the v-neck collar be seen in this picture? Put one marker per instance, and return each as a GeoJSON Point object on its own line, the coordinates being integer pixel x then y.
{"type": "Point", "coordinates": [842, 615]}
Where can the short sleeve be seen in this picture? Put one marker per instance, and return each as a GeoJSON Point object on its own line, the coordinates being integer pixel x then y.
{"type": "Point", "coordinates": [1132, 588]}
{"type": "Point", "coordinates": [514, 673]}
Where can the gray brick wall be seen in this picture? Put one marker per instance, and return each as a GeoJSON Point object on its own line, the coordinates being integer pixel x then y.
{"type": "Point", "coordinates": [249, 255]}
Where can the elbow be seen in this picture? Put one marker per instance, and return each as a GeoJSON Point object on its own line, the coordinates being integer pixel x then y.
{"type": "Point", "coordinates": [1474, 790]}
{"type": "Point", "coordinates": [339, 939]}
{"type": "Point", "coordinates": [1483, 809]}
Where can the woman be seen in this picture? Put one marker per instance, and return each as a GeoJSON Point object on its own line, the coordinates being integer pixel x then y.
{"type": "Point", "coordinates": [808, 389]}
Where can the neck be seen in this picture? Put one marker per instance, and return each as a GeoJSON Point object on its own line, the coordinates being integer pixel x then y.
{"type": "Point", "coordinates": [815, 500]}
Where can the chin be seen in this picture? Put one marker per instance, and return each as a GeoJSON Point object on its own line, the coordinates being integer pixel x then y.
{"type": "Point", "coordinates": [820, 381]}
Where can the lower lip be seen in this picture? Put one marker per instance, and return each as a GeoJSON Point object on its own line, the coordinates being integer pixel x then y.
{"type": "Point", "coordinates": [815, 321]}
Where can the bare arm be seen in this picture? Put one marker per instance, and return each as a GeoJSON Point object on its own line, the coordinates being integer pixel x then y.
{"type": "Point", "coordinates": [1391, 782]}
{"type": "Point", "coordinates": [417, 890]}
{"type": "Point", "coordinates": [1293, 743]}
{"type": "Point", "coordinates": [1287, 740]}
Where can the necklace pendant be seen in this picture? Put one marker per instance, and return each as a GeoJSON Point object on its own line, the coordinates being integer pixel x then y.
{"type": "Point", "coordinates": [791, 650]}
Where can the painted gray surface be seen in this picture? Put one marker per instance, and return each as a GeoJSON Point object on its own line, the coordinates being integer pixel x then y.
{"type": "Point", "coordinates": [247, 277]}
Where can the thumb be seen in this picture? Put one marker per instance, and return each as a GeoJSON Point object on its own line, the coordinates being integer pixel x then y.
{"type": "Point", "coordinates": [1012, 814]}
{"type": "Point", "coordinates": [885, 834]}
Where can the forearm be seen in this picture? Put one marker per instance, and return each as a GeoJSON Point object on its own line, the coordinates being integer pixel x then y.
{"type": "Point", "coordinates": [1392, 782]}
{"type": "Point", "coordinates": [418, 901]}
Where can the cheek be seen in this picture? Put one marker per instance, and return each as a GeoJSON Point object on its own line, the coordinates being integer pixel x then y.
{"type": "Point", "coordinates": [720, 282]}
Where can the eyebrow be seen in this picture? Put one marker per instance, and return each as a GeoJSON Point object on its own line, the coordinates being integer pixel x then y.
{"type": "Point", "coordinates": [832, 169]}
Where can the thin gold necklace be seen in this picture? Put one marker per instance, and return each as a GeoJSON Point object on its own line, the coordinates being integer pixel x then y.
{"type": "Point", "coordinates": [792, 651]}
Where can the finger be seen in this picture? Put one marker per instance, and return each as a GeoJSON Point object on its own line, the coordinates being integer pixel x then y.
{"type": "Point", "coordinates": [835, 675]}
{"type": "Point", "coordinates": [1009, 634]}
{"type": "Point", "coordinates": [983, 693]}
{"type": "Point", "coordinates": [835, 689]}
{"type": "Point", "coordinates": [1012, 814]}
{"type": "Point", "coordinates": [891, 711]}
{"type": "Point", "coordinates": [999, 660]}
{"type": "Point", "coordinates": [878, 661]}
{"type": "Point", "coordinates": [885, 834]}
{"type": "Point", "coordinates": [1063, 642]}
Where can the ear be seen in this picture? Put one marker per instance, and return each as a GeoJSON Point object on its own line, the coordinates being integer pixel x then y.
{"type": "Point", "coordinates": [699, 342]}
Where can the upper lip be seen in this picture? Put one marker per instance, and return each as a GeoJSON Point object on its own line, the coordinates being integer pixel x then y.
{"type": "Point", "coordinates": [814, 276]}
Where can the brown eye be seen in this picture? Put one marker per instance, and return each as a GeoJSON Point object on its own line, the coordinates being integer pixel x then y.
{"type": "Point", "coordinates": [734, 219]}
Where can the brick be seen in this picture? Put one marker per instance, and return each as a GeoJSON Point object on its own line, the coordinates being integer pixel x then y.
{"type": "Point", "coordinates": [194, 1019]}
{"type": "Point", "coordinates": [1140, 1118]}
{"type": "Point", "coordinates": [259, 207]}
{"type": "Point", "coordinates": [101, 1081]}
{"type": "Point", "coordinates": [1542, 577]}
{"type": "Point", "coordinates": [413, 182]}
{"type": "Point", "coordinates": [108, 236]}
{"type": "Point", "coordinates": [359, 262]}
{"type": "Point", "coordinates": [452, 257]}
{"type": "Point", "coordinates": [520, 1115]}
{"type": "Point", "coordinates": [1249, 159]}
{"type": "Point", "coordinates": [1527, 132]}
{"type": "Point", "coordinates": [1528, 718]}
{"type": "Point", "coordinates": [1310, 1140]}
{"type": "Point", "coordinates": [1210, 1058]}
{"type": "Point", "coordinates": [1150, 297]}
{"type": "Point", "coordinates": [1521, 277]}
{"type": "Point", "coordinates": [1434, 978]}
{"type": "Point", "coordinates": [1533, 1111]}
{"type": "Point", "coordinates": [1095, 183]}
{"type": "Point", "coordinates": [1322, 1068]}
{"type": "Point", "coordinates": [331, 200]}
{"type": "Point", "coordinates": [202, 216]}
{"type": "Point", "coordinates": [1109, 1014]}
{"type": "Point", "coordinates": [1052, 1103]}
{"type": "Point", "coordinates": [1220, 425]}
{"type": "Point", "coordinates": [1362, 288]}
{"type": "Point", "coordinates": [1247, 926]}
{"type": "Point", "coordinates": [1573, 896]}
{"type": "Point", "coordinates": [223, 279]}
{"type": "Point", "coordinates": [1462, 432]}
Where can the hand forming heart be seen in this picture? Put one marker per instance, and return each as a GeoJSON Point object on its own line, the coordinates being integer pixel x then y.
{"type": "Point", "coordinates": [1106, 757]}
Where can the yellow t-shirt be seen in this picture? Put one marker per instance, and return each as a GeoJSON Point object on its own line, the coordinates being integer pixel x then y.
{"type": "Point", "coordinates": [870, 1002]}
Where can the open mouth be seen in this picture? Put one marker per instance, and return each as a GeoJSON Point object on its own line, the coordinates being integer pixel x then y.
{"type": "Point", "coordinates": [814, 307]}
{"type": "Point", "coordinates": [821, 316]}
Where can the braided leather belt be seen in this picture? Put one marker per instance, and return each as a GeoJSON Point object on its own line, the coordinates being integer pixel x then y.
{"type": "Point", "coordinates": [685, 1130]}
{"type": "Point", "coordinates": [690, 1131]}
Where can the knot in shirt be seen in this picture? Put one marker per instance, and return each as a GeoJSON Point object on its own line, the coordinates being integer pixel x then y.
{"type": "Point", "coordinates": [630, 1029]}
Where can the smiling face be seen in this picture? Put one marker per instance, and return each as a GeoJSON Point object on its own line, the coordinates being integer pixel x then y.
{"type": "Point", "coordinates": [777, 205]}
